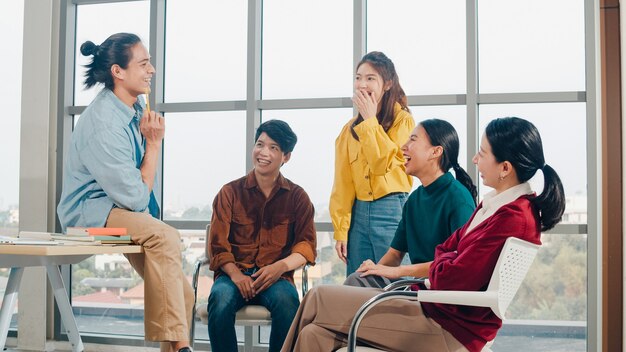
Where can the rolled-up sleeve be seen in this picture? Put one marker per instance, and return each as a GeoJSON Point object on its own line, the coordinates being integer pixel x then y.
{"type": "Point", "coordinates": [305, 237]}
{"type": "Point", "coordinates": [219, 245]}
{"type": "Point", "coordinates": [109, 159]}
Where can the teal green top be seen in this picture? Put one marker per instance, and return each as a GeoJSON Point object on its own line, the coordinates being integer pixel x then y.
{"type": "Point", "coordinates": [430, 216]}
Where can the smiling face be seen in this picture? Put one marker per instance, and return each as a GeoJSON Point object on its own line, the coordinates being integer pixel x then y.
{"type": "Point", "coordinates": [488, 167]}
{"type": "Point", "coordinates": [267, 156]}
{"type": "Point", "coordinates": [419, 154]}
{"type": "Point", "coordinates": [136, 77]}
{"type": "Point", "coordinates": [369, 81]}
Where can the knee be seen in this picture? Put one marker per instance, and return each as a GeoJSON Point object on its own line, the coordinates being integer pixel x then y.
{"type": "Point", "coordinates": [164, 236]}
{"type": "Point", "coordinates": [171, 238]}
{"type": "Point", "coordinates": [222, 302]}
{"type": "Point", "coordinates": [353, 279]}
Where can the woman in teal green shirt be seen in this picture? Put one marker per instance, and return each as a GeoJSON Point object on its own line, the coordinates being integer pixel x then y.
{"type": "Point", "coordinates": [433, 211]}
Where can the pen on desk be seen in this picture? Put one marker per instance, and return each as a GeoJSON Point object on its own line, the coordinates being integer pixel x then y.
{"type": "Point", "coordinates": [148, 99]}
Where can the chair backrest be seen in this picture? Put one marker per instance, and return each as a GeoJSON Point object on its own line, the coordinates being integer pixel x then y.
{"type": "Point", "coordinates": [207, 252]}
{"type": "Point", "coordinates": [514, 262]}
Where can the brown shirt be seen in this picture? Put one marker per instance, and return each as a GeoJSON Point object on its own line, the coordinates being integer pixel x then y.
{"type": "Point", "coordinates": [250, 230]}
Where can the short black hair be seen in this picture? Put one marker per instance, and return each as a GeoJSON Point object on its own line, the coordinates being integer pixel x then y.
{"type": "Point", "coordinates": [280, 132]}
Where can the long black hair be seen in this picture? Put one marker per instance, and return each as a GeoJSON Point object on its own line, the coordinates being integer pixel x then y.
{"type": "Point", "coordinates": [518, 141]}
{"type": "Point", "coordinates": [387, 70]}
{"type": "Point", "coordinates": [442, 133]}
{"type": "Point", "coordinates": [116, 49]}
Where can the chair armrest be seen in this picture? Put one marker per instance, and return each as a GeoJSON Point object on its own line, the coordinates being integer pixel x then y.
{"type": "Point", "coordinates": [202, 261]}
{"type": "Point", "coordinates": [488, 299]}
{"type": "Point", "coordinates": [379, 298]}
{"type": "Point", "coordinates": [194, 284]}
{"type": "Point", "coordinates": [305, 279]}
{"type": "Point", "coordinates": [404, 283]}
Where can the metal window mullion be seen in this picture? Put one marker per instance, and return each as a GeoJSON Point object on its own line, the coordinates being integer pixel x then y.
{"type": "Point", "coordinates": [95, 2]}
{"type": "Point", "coordinates": [65, 86]}
{"type": "Point", "coordinates": [157, 51]}
{"type": "Point", "coordinates": [471, 97]}
{"type": "Point", "coordinates": [359, 36]}
{"type": "Point", "coordinates": [594, 175]}
{"type": "Point", "coordinates": [253, 81]}
{"type": "Point", "coordinates": [315, 103]}
{"type": "Point", "coordinates": [532, 97]}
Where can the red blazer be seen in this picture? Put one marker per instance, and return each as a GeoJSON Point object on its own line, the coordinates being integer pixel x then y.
{"type": "Point", "coordinates": [466, 261]}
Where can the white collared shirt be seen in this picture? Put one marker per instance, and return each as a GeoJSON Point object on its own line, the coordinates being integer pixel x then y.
{"type": "Point", "coordinates": [493, 201]}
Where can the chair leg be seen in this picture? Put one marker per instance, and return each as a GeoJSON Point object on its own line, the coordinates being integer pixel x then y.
{"type": "Point", "coordinates": [194, 285]}
{"type": "Point", "coordinates": [248, 339]}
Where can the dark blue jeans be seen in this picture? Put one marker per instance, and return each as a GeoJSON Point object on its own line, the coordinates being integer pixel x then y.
{"type": "Point", "coordinates": [281, 299]}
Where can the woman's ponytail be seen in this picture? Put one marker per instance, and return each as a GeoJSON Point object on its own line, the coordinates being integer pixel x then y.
{"type": "Point", "coordinates": [551, 201]}
{"type": "Point", "coordinates": [465, 180]}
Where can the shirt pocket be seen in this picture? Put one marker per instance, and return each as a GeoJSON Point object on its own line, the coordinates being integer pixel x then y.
{"type": "Point", "coordinates": [282, 226]}
{"type": "Point", "coordinates": [242, 230]}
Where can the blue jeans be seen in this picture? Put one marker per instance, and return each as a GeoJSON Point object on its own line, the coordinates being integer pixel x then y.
{"type": "Point", "coordinates": [281, 299]}
{"type": "Point", "coordinates": [372, 228]}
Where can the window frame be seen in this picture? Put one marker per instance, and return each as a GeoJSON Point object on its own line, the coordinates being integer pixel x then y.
{"type": "Point", "coordinates": [253, 105]}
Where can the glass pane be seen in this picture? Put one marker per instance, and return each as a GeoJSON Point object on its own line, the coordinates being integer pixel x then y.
{"type": "Point", "coordinates": [533, 45]}
{"type": "Point", "coordinates": [11, 35]}
{"type": "Point", "coordinates": [299, 62]}
{"type": "Point", "coordinates": [424, 39]}
{"type": "Point", "coordinates": [96, 23]}
{"type": "Point", "coordinates": [203, 151]}
{"type": "Point", "coordinates": [455, 115]}
{"type": "Point", "coordinates": [205, 51]}
{"type": "Point", "coordinates": [563, 133]}
{"type": "Point", "coordinates": [194, 243]}
{"type": "Point", "coordinates": [312, 162]}
{"type": "Point", "coordinates": [107, 296]}
{"type": "Point", "coordinates": [550, 308]}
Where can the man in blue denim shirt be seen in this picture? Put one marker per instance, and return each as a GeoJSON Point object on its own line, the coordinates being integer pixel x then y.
{"type": "Point", "coordinates": [109, 177]}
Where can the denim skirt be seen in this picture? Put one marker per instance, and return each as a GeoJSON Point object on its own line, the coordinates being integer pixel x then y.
{"type": "Point", "coordinates": [372, 228]}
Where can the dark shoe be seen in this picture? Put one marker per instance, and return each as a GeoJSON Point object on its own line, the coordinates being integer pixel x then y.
{"type": "Point", "coordinates": [185, 349]}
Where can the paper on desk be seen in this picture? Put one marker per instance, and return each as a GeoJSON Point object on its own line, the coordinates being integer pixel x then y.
{"type": "Point", "coordinates": [57, 238]}
{"type": "Point", "coordinates": [25, 241]}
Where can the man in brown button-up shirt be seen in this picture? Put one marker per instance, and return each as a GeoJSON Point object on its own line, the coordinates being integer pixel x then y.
{"type": "Point", "coordinates": [262, 229]}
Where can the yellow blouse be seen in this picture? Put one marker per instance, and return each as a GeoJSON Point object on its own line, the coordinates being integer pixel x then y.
{"type": "Point", "coordinates": [370, 168]}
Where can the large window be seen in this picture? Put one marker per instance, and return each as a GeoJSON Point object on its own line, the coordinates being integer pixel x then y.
{"type": "Point", "coordinates": [11, 35]}
{"type": "Point", "coordinates": [11, 29]}
{"type": "Point", "coordinates": [218, 78]}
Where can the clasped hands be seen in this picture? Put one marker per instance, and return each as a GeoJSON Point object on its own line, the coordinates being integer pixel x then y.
{"type": "Point", "coordinates": [250, 285]}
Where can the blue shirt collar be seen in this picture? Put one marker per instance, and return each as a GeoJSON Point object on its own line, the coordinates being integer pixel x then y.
{"type": "Point", "coordinates": [128, 114]}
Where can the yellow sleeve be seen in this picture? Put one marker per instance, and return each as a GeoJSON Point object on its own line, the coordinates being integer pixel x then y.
{"type": "Point", "coordinates": [343, 193]}
{"type": "Point", "coordinates": [382, 150]}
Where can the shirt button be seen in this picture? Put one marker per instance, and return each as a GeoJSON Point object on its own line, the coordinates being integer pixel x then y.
{"type": "Point", "coordinates": [370, 193]}
{"type": "Point", "coordinates": [367, 177]}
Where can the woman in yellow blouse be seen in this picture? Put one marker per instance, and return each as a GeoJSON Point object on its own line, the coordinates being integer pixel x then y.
{"type": "Point", "coordinates": [370, 185]}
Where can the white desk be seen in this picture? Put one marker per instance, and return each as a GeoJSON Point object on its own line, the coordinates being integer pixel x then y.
{"type": "Point", "coordinates": [17, 257]}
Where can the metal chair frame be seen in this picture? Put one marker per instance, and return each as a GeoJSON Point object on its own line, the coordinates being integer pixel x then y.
{"type": "Point", "coordinates": [513, 264]}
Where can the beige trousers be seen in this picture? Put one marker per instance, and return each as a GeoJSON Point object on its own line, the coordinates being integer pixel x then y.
{"type": "Point", "coordinates": [323, 321]}
{"type": "Point", "coordinates": [168, 295]}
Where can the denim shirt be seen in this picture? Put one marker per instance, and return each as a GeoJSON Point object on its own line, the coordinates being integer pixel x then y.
{"type": "Point", "coordinates": [102, 166]}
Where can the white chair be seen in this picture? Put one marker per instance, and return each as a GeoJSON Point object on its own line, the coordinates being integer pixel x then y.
{"type": "Point", "coordinates": [514, 262]}
{"type": "Point", "coordinates": [249, 316]}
